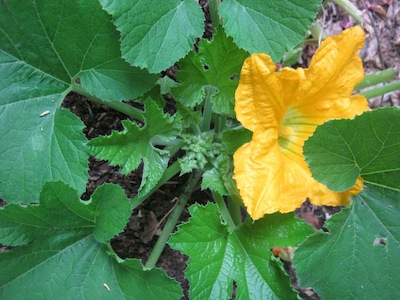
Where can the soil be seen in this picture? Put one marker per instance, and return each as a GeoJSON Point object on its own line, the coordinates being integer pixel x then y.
{"type": "Point", "coordinates": [382, 49]}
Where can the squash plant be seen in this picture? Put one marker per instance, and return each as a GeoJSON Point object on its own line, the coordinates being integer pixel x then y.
{"type": "Point", "coordinates": [113, 52]}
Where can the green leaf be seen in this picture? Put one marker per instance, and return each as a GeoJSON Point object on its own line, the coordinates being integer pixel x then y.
{"type": "Point", "coordinates": [163, 86]}
{"type": "Point", "coordinates": [234, 138]}
{"type": "Point", "coordinates": [45, 46]}
{"type": "Point", "coordinates": [66, 255]}
{"type": "Point", "coordinates": [136, 144]}
{"type": "Point", "coordinates": [213, 180]}
{"type": "Point", "coordinates": [219, 257]}
{"type": "Point", "coordinates": [360, 254]}
{"type": "Point", "coordinates": [156, 34]}
{"type": "Point", "coordinates": [342, 150]}
{"type": "Point", "coordinates": [218, 65]}
{"type": "Point", "coordinates": [48, 147]}
{"type": "Point", "coordinates": [272, 27]}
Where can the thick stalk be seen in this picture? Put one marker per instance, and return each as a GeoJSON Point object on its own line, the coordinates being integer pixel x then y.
{"type": "Point", "coordinates": [207, 113]}
{"type": "Point", "coordinates": [214, 6]}
{"type": "Point", "coordinates": [220, 122]}
{"type": "Point", "coordinates": [172, 220]}
{"type": "Point", "coordinates": [224, 210]}
{"type": "Point", "coordinates": [170, 172]}
{"type": "Point", "coordinates": [379, 91]}
{"type": "Point", "coordinates": [317, 32]}
{"type": "Point", "coordinates": [234, 210]}
{"type": "Point", "coordinates": [117, 105]}
{"type": "Point", "coordinates": [351, 9]}
{"type": "Point", "coordinates": [376, 78]}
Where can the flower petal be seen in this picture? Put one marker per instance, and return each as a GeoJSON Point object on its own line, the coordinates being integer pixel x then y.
{"type": "Point", "coordinates": [267, 180]}
{"type": "Point", "coordinates": [334, 71]}
{"type": "Point", "coordinates": [263, 95]}
{"type": "Point", "coordinates": [283, 109]}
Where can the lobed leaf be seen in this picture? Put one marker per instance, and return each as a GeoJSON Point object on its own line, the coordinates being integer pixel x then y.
{"type": "Point", "coordinates": [45, 48]}
{"type": "Point", "coordinates": [63, 251]}
{"type": "Point", "coordinates": [359, 255]}
{"type": "Point", "coordinates": [217, 65]}
{"type": "Point", "coordinates": [136, 144]}
{"type": "Point", "coordinates": [156, 34]}
{"type": "Point", "coordinates": [219, 257]}
{"type": "Point", "coordinates": [272, 27]}
{"type": "Point", "coordinates": [212, 179]}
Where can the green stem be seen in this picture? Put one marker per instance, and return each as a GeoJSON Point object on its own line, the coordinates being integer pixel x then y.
{"type": "Point", "coordinates": [224, 210]}
{"type": "Point", "coordinates": [214, 6]}
{"type": "Point", "coordinates": [130, 111]}
{"type": "Point", "coordinates": [351, 9]}
{"type": "Point", "coordinates": [172, 220]}
{"type": "Point", "coordinates": [220, 122]}
{"type": "Point", "coordinates": [376, 78]}
{"type": "Point", "coordinates": [379, 91]}
{"type": "Point", "coordinates": [195, 128]}
{"type": "Point", "coordinates": [317, 32]}
{"type": "Point", "coordinates": [170, 172]}
{"type": "Point", "coordinates": [235, 212]}
{"type": "Point", "coordinates": [173, 148]}
{"type": "Point", "coordinates": [207, 113]}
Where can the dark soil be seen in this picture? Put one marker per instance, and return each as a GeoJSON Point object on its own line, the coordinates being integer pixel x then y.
{"type": "Point", "coordinates": [145, 225]}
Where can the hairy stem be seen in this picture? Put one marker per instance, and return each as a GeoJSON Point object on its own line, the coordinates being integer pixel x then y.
{"type": "Point", "coordinates": [207, 113]}
{"type": "Point", "coordinates": [351, 9]}
{"type": "Point", "coordinates": [379, 91]}
{"type": "Point", "coordinates": [234, 210]}
{"type": "Point", "coordinates": [130, 111]}
{"type": "Point", "coordinates": [220, 122]}
{"type": "Point", "coordinates": [172, 220]}
{"type": "Point", "coordinates": [170, 172]}
{"type": "Point", "coordinates": [224, 210]}
{"type": "Point", "coordinates": [376, 78]}
{"type": "Point", "coordinates": [214, 6]}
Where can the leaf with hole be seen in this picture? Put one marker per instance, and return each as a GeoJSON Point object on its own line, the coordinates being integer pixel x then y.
{"type": "Point", "coordinates": [360, 254]}
{"type": "Point", "coordinates": [215, 68]}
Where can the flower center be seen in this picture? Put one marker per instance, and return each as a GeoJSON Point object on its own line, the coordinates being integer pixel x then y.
{"type": "Point", "coordinates": [285, 131]}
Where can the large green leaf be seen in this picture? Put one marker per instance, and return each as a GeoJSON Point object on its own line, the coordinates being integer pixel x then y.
{"type": "Point", "coordinates": [359, 256]}
{"type": "Point", "coordinates": [271, 27]}
{"type": "Point", "coordinates": [45, 46]}
{"type": "Point", "coordinates": [216, 65]}
{"type": "Point", "coordinates": [62, 252]}
{"type": "Point", "coordinates": [369, 146]}
{"type": "Point", "coordinates": [219, 257]}
{"type": "Point", "coordinates": [156, 34]}
{"type": "Point", "coordinates": [136, 144]}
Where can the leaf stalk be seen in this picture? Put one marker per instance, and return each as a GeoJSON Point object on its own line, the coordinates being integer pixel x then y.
{"type": "Point", "coordinates": [207, 112]}
{"type": "Point", "coordinates": [224, 210]}
{"type": "Point", "coordinates": [214, 6]}
{"type": "Point", "coordinates": [376, 78]}
{"type": "Point", "coordinates": [379, 91]}
{"type": "Point", "coordinates": [172, 220]}
{"type": "Point", "coordinates": [170, 172]}
{"type": "Point", "coordinates": [130, 111]}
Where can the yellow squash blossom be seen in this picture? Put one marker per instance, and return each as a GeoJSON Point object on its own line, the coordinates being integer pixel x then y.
{"type": "Point", "coordinates": [283, 109]}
